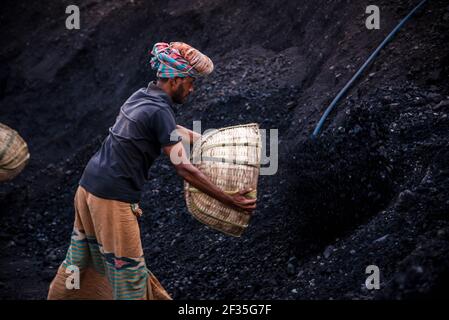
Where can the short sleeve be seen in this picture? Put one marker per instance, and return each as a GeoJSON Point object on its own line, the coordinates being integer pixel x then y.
{"type": "Point", "coordinates": [164, 127]}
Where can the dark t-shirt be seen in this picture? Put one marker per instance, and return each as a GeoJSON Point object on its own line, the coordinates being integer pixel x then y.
{"type": "Point", "coordinates": [120, 168]}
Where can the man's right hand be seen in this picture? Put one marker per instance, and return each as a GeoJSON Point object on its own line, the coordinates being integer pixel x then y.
{"type": "Point", "coordinates": [239, 201]}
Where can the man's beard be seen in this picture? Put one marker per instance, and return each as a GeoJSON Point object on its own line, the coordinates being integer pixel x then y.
{"type": "Point", "coordinates": [179, 96]}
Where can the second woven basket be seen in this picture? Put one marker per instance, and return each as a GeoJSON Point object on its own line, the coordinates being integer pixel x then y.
{"type": "Point", "coordinates": [14, 153]}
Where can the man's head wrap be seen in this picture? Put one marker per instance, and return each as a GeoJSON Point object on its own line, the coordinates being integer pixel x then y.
{"type": "Point", "coordinates": [178, 59]}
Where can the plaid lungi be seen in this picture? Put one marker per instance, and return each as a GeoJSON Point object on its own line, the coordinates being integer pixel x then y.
{"type": "Point", "coordinates": [106, 249]}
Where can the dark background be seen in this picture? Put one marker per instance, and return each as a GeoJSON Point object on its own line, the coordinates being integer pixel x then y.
{"type": "Point", "coordinates": [372, 190]}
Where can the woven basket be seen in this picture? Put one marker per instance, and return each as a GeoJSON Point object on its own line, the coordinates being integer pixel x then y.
{"type": "Point", "coordinates": [13, 153]}
{"type": "Point", "coordinates": [230, 158]}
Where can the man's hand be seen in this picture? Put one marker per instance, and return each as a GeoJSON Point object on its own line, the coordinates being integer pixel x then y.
{"type": "Point", "coordinates": [197, 179]}
{"type": "Point", "coordinates": [243, 203]}
{"type": "Point", "coordinates": [187, 135]}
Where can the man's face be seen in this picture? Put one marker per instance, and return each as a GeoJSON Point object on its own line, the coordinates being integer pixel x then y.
{"type": "Point", "coordinates": [182, 88]}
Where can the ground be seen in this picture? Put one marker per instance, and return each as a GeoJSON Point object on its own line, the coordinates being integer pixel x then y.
{"type": "Point", "coordinates": [371, 190]}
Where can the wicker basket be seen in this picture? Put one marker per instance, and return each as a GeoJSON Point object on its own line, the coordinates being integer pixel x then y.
{"type": "Point", "coordinates": [13, 153]}
{"type": "Point", "coordinates": [230, 157]}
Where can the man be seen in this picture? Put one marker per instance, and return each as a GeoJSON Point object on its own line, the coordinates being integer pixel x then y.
{"type": "Point", "coordinates": [105, 245]}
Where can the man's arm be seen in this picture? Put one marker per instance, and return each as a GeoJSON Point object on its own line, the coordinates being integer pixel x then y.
{"type": "Point", "coordinates": [187, 135]}
{"type": "Point", "coordinates": [200, 181]}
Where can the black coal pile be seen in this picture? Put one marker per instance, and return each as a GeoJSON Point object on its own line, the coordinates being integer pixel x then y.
{"type": "Point", "coordinates": [378, 172]}
{"type": "Point", "coordinates": [340, 180]}
{"type": "Point", "coordinates": [372, 190]}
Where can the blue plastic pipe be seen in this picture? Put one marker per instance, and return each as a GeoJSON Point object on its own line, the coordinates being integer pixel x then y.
{"type": "Point", "coordinates": [343, 91]}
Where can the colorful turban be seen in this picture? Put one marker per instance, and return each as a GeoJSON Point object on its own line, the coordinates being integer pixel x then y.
{"type": "Point", "coordinates": [178, 59]}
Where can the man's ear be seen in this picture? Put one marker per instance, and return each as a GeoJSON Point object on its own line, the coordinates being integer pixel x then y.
{"type": "Point", "coordinates": [170, 83]}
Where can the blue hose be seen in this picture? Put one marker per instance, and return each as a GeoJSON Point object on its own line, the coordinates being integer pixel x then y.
{"type": "Point", "coordinates": [343, 91]}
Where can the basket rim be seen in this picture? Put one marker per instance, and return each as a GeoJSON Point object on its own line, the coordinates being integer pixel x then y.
{"type": "Point", "coordinates": [209, 134]}
{"type": "Point", "coordinates": [199, 144]}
